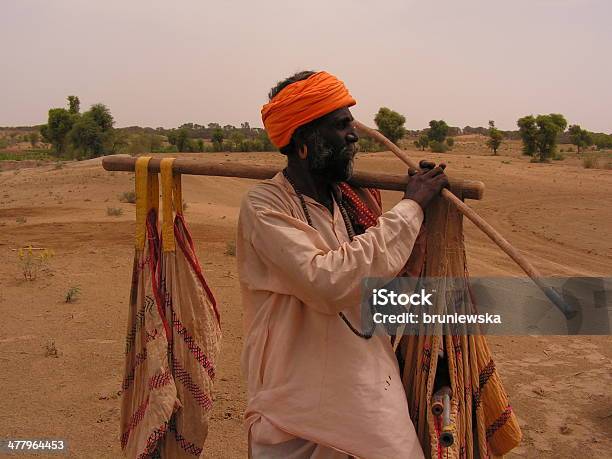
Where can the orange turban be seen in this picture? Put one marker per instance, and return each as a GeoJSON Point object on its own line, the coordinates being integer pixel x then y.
{"type": "Point", "coordinates": [301, 102]}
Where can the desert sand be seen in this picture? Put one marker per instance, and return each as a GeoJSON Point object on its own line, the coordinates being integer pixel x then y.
{"type": "Point", "coordinates": [559, 215]}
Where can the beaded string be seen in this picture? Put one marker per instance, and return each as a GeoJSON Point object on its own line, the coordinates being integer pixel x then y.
{"type": "Point", "coordinates": [351, 233]}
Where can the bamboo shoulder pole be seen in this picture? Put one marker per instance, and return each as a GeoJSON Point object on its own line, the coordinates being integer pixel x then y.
{"type": "Point", "coordinates": [466, 189]}
{"type": "Point", "coordinates": [480, 222]}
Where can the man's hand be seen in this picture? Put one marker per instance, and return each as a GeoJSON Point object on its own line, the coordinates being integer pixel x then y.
{"type": "Point", "coordinates": [424, 185]}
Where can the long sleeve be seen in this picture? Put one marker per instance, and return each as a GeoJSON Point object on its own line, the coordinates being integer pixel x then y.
{"type": "Point", "coordinates": [301, 264]}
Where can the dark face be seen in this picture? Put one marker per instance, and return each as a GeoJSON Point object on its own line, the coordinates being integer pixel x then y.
{"type": "Point", "coordinates": [331, 148]}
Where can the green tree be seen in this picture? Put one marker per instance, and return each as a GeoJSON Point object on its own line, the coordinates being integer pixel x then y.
{"type": "Point", "coordinates": [549, 127]}
{"type": "Point", "coordinates": [200, 145]}
{"type": "Point", "coordinates": [539, 134]}
{"type": "Point", "coordinates": [495, 137]}
{"type": "Point", "coordinates": [172, 137]}
{"type": "Point", "coordinates": [55, 132]}
{"type": "Point", "coordinates": [390, 124]}
{"type": "Point", "coordinates": [528, 131]}
{"type": "Point", "coordinates": [266, 143]}
{"type": "Point", "coordinates": [117, 141]}
{"type": "Point", "coordinates": [237, 138]}
{"type": "Point", "coordinates": [218, 136]}
{"type": "Point", "coordinates": [450, 141]}
{"type": "Point", "coordinates": [87, 136]}
{"type": "Point", "coordinates": [438, 130]}
{"type": "Point", "coordinates": [422, 142]}
{"type": "Point", "coordinates": [92, 132]}
{"type": "Point", "coordinates": [156, 142]}
{"type": "Point", "coordinates": [74, 105]}
{"type": "Point", "coordinates": [102, 116]}
{"type": "Point", "coordinates": [580, 137]}
{"type": "Point", "coordinates": [182, 139]}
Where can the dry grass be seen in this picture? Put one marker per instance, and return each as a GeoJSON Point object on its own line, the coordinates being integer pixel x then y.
{"type": "Point", "coordinates": [128, 196]}
{"type": "Point", "coordinates": [114, 211]}
{"type": "Point", "coordinates": [32, 261]}
{"type": "Point", "coordinates": [589, 162]}
{"type": "Point", "coordinates": [230, 248]}
{"type": "Point", "coordinates": [72, 293]}
{"type": "Point", "coordinates": [51, 350]}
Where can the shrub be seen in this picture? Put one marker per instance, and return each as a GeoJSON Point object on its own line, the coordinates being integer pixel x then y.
{"type": "Point", "coordinates": [32, 261]}
{"type": "Point", "coordinates": [367, 144]}
{"type": "Point", "coordinates": [72, 293]}
{"type": "Point", "coordinates": [128, 196]}
{"type": "Point", "coordinates": [230, 249]}
{"type": "Point", "coordinates": [51, 350]}
{"type": "Point", "coordinates": [450, 142]}
{"type": "Point", "coordinates": [114, 211]}
{"type": "Point", "coordinates": [589, 162]}
{"type": "Point", "coordinates": [438, 147]}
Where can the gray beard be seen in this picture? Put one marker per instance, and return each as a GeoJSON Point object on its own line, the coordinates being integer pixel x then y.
{"type": "Point", "coordinates": [337, 166]}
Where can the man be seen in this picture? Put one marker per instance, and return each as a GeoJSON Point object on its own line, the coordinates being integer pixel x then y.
{"type": "Point", "coordinates": [318, 385]}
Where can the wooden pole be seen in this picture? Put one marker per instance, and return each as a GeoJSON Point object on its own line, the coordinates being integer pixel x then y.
{"type": "Point", "coordinates": [480, 222]}
{"type": "Point", "coordinates": [467, 189]}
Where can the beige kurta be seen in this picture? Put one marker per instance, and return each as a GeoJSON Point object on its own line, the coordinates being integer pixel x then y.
{"type": "Point", "coordinates": [309, 376]}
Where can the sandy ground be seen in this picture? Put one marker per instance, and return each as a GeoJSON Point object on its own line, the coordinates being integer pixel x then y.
{"type": "Point", "coordinates": [558, 214]}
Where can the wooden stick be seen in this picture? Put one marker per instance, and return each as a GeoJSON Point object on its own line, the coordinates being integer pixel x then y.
{"type": "Point", "coordinates": [467, 189]}
{"type": "Point", "coordinates": [480, 222]}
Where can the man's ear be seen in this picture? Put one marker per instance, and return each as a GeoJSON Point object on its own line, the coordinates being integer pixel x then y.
{"type": "Point", "coordinates": [303, 152]}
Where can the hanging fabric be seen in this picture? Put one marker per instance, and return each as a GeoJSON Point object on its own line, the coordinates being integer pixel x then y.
{"type": "Point", "coordinates": [173, 331]}
{"type": "Point", "coordinates": [482, 423]}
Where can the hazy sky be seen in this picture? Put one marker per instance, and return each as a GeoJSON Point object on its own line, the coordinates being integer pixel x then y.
{"type": "Point", "coordinates": [163, 63]}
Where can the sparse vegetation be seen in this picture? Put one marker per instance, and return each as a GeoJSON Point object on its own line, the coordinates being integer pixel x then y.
{"type": "Point", "coordinates": [72, 293]}
{"type": "Point", "coordinates": [51, 349]}
{"type": "Point", "coordinates": [589, 162]}
{"type": "Point", "coordinates": [230, 249]}
{"type": "Point", "coordinates": [114, 211]}
{"type": "Point", "coordinates": [21, 220]}
{"type": "Point", "coordinates": [128, 196]}
{"type": "Point", "coordinates": [24, 155]}
{"type": "Point", "coordinates": [32, 260]}
{"type": "Point", "coordinates": [366, 144]}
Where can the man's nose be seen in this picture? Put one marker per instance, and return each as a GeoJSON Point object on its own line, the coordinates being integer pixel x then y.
{"type": "Point", "coordinates": [352, 137]}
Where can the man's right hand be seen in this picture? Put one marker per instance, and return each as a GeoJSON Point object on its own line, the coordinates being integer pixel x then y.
{"type": "Point", "coordinates": [426, 184]}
